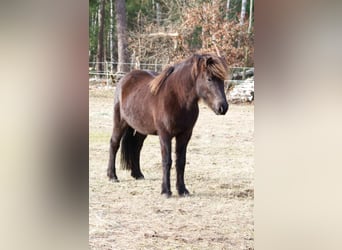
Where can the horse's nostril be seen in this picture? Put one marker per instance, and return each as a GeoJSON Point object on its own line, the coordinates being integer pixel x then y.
{"type": "Point", "coordinates": [223, 108]}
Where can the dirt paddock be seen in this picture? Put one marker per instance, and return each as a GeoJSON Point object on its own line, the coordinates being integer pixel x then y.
{"type": "Point", "coordinates": [219, 174]}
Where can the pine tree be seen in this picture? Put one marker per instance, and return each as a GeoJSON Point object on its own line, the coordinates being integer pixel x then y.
{"type": "Point", "coordinates": [100, 38]}
{"type": "Point", "coordinates": [121, 27]}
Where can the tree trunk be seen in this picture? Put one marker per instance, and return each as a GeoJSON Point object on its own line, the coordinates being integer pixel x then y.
{"type": "Point", "coordinates": [94, 53]}
{"type": "Point", "coordinates": [158, 14]}
{"type": "Point", "coordinates": [250, 16]}
{"type": "Point", "coordinates": [243, 11]}
{"type": "Point", "coordinates": [228, 3]}
{"type": "Point", "coordinates": [100, 37]}
{"type": "Point", "coordinates": [242, 18]}
{"type": "Point", "coordinates": [121, 27]}
{"type": "Point", "coordinates": [111, 36]}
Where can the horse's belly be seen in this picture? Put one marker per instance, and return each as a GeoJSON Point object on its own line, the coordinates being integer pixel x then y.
{"type": "Point", "coordinates": [140, 121]}
{"type": "Point", "coordinates": [142, 127]}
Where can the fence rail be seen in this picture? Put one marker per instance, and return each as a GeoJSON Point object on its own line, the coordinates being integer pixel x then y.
{"type": "Point", "coordinates": [237, 74]}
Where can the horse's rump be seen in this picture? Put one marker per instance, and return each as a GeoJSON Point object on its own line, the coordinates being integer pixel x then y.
{"type": "Point", "coordinates": [137, 102]}
{"type": "Point", "coordinates": [135, 79]}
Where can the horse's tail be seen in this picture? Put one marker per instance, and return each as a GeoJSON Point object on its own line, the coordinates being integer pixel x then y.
{"type": "Point", "coordinates": [131, 145]}
{"type": "Point", "coordinates": [129, 150]}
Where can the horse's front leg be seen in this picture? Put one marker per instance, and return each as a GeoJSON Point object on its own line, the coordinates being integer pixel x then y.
{"type": "Point", "coordinates": [182, 141]}
{"type": "Point", "coordinates": [165, 144]}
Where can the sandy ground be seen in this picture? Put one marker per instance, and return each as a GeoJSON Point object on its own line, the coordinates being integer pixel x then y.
{"type": "Point", "coordinates": [219, 174]}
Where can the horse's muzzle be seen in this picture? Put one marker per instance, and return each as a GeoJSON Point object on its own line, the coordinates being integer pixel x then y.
{"type": "Point", "coordinates": [222, 108]}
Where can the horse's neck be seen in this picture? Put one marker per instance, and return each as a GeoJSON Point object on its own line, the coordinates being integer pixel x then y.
{"type": "Point", "coordinates": [185, 88]}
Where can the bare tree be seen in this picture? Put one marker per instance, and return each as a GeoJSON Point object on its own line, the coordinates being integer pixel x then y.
{"type": "Point", "coordinates": [242, 17]}
{"type": "Point", "coordinates": [158, 13]}
{"type": "Point", "coordinates": [243, 11]}
{"type": "Point", "coordinates": [250, 15]}
{"type": "Point", "coordinates": [121, 27]}
{"type": "Point", "coordinates": [100, 37]}
{"type": "Point", "coordinates": [111, 36]}
{"type": "Point", "coordinates": [227, 11]}
{"type": "Point", "coordinates": [93, 18]}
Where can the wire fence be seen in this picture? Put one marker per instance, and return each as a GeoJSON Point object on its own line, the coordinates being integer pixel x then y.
{"type": "Point", "coordinates": [110, 75]}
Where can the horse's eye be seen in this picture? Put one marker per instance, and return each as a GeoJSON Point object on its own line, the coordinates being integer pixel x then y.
{"type": "Point", "coordinates": [209, 79]}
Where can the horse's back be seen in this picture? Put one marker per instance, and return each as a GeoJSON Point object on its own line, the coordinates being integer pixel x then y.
{"type": "Point", "coordinates": [136, 77]}
{"type": "Point", "coordinates": [132, 82]}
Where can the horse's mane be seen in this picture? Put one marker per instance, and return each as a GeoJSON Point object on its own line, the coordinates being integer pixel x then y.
{"type": "Point", "coordinates": [156, 83]}
{"type": "Point", "coordinates": [214, 65]}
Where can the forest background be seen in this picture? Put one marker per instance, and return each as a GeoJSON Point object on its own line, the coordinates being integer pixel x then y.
{"type": "Point", "coordinates": [128, 34]}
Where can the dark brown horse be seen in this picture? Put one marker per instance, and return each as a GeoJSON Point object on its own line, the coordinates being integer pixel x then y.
{"type": "Point", "coordinates": [165, 105]}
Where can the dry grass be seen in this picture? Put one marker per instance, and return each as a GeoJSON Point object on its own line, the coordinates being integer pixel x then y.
{"type": "Point", "coordinates": [219, 175]}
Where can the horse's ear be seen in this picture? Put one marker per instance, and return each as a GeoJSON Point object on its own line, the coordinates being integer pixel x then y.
{"type": "Point", "coordinates": [209, 61]}
{"type": "Point", "coordinates": [197, 66]}
{"type": "Point", "coordinates": [223, 58]}
{"type": "Point", "coordinates": [169, 71]}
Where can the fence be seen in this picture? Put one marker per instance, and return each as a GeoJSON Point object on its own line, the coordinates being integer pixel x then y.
{"type": "Point", "coordinates": [237, 74]}
{"type": "Point", "coordinates": [110, 69]}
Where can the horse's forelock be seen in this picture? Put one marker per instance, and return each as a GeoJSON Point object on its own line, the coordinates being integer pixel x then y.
{"type": "Point", "coordinates": [217, 66]}
{"type": "Point", "coordinates": [214, 65]}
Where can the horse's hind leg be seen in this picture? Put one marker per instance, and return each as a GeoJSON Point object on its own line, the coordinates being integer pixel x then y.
{"type": "Point", "coordinates": [136, 171]}
{"type": "Point", "coordinates": [118, 129]}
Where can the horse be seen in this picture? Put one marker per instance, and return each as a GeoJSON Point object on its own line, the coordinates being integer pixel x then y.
{"type": "Point", "coordinates": [166, 105]}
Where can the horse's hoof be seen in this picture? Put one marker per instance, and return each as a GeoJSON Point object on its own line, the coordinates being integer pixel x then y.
{"type": "Point", "coordinates": [114, 179]}
{"type": "Point", "coordinates": [183, 192]}
{"type": "Point", "coordinates": [167, 194]}
{"type": "Point", "coordinates": [138, 176]}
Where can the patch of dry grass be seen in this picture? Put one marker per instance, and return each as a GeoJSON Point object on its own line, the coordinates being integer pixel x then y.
{"type": "Point", "coordinates": [219, 175]}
